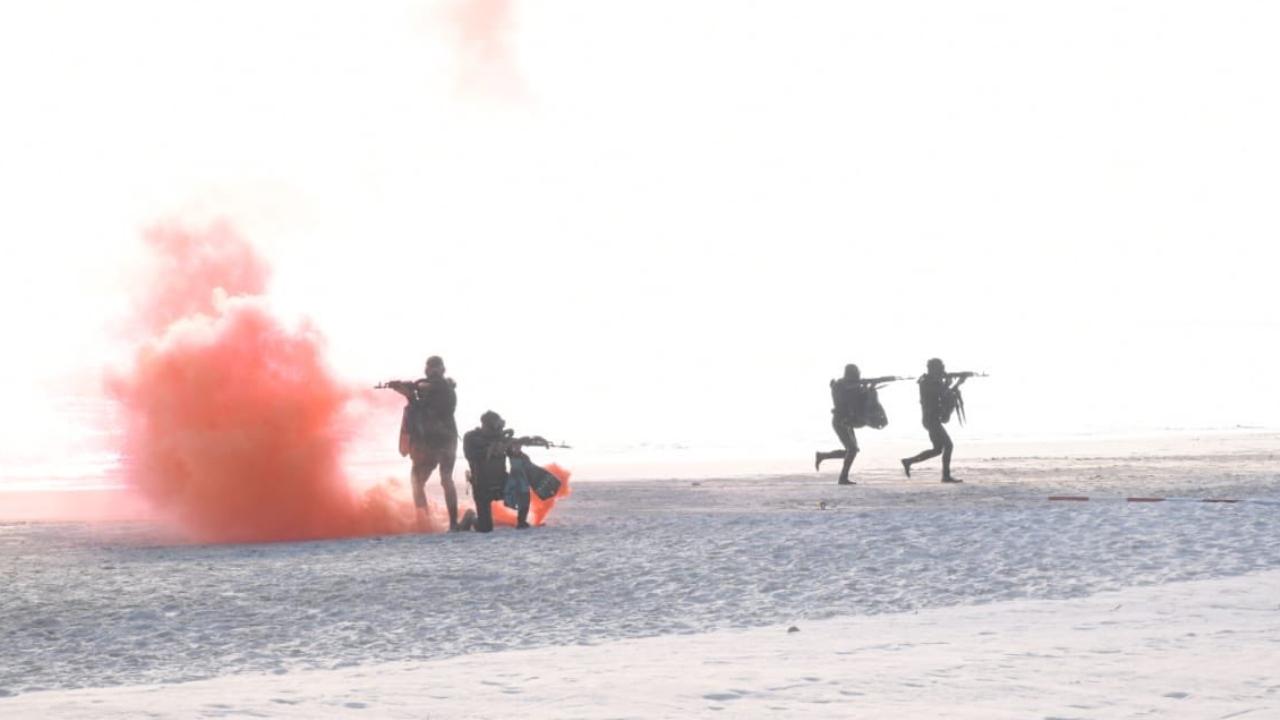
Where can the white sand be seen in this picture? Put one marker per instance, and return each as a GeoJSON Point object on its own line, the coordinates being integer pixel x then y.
{"type": "Point", "coordinates": [1203, 649]}
{"type": "Point", "coordinates": [648, 599]}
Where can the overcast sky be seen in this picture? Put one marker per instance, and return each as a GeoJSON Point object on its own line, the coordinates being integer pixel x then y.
{"type": "Point", "coordinates": [670, 221]}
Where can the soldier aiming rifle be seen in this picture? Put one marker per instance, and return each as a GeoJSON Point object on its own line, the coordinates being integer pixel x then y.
{"type": "Point", "coordinates": [940, 398]}
{"type": "Point", "coordinates": [855, 403]}
{"type": "Point", "coordinates": [429, 435]}
{"type": "Point", "coordinates": [488, 449]}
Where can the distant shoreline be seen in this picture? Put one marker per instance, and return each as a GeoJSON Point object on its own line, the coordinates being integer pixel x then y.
{"type": "Point", "coordinates": [789, 457]}
{"type": "Point", "coordinates": [99, 500]}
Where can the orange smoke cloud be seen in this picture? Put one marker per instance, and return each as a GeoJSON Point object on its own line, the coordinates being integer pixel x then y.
{"type": "Point", "coordinates": [234, 427]}
{"type": "Point", "coordinates": [187, 268]}
{"type": "Point", "coordinates": [486, 62]}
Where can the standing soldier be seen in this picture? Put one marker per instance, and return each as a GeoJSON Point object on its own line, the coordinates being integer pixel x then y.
{"type": "Point", "coordinates": [429, 435]}
{"type": "Point", "coordinates": [939, 398]}
{"type": "Point", "coordinates": [854, 404]}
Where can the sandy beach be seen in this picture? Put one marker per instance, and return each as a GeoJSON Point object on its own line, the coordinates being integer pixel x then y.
{"type": "Point", "coordinates": [271, 269]}
{"type": "Point", "coordinates": [1198, 649]}
{"type": "Point", "coordinates": [674, 597]}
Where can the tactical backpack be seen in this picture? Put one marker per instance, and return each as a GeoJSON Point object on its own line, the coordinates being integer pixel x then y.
{"type": "Point", "coordinates": [406, 436]}
{"type": "Point", "coordinates": [867, 410]}
{"type": "Point", "coordinates": [952, 403]}
{"type": "Point", "coordinates": [526, 476]}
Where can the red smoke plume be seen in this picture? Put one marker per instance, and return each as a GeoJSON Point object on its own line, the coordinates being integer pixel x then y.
{"type": "Point", "coordinates": [233, 425]}
{"type": "Point", "coordinates": [486, 64]}
{"type": "Point", "coordinates": [234, 428]}
{"type": "Point", "coordinates": [186, 270]}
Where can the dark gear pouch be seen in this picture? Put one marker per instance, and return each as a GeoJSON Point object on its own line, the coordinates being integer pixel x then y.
{"type": "Point", "coordinates": [406, 440]}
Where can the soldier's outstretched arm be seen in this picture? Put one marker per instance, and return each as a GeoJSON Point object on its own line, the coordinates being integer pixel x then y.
{"type": "Point", "coordinates": [401, 386]}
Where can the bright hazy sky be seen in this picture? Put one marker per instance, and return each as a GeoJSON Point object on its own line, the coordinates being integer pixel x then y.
{"type": "Point", "coordinates": [671, 221]}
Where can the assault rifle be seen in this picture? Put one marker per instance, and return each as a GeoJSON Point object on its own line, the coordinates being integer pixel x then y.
{"type": "Point", "coordinates": [952, 400]}
{"type": "Point", "coordinates": [401, 385]}
{"type": "Point", "coordinates": [510, 440]}
{"type": "Point", "coordinates": [884, 379]}
{"type": "Point", "coordinates": [964, 376]}
{"type": "Point", "coordinates": [875, 380]}
{"type": "Point", "coordinates": [509, 444]}
{"type": "Point", "coordinates": [412, 389]}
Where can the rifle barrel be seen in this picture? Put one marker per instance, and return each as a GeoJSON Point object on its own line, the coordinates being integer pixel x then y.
{"type": "Point", "coordinates": [885, 379]}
